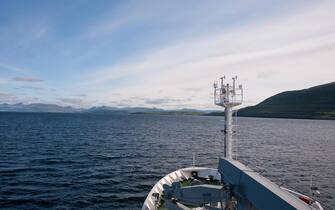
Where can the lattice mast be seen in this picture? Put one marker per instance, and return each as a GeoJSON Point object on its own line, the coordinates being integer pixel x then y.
{"type": "Point", "coordinates": [228, 96]}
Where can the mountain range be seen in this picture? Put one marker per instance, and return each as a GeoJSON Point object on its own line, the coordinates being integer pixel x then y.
{"type": "Point", "coordinates": [40, 107]}
{"type": "Point", "coordinates": [36, 107]}
{"type": "Point", "coordinates": [313, 103]}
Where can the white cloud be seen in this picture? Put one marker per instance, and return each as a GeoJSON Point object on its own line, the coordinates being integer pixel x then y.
{"type": "Point", "coordinates": [27, 79]}
{"type": "Point", "coordinates": [165, 101]}
{"type": "Point", "coordinates": [7, 98]}
{"type": "Point", "coordinates": [291, 51]}
{"type": "Point", "coordinates": [107, 27]}
{"type": "Point", "coordinates": [12, 68]}
{"type": "Point", "coordinates": [33, 88]}
{"type": "Point", "coordinates": [274, 52]}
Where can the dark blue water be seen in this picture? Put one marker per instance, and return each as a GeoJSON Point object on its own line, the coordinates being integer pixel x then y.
{"type": "Point", "coordinates": [71, 161]}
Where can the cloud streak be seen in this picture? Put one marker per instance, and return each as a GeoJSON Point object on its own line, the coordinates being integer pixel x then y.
{"type": "Point", "coordinates": [12, 68]}
{"type": "Point", "coordinates": [277, 47]}
{"type": "Point", "coordinates": [33, 88]}
{"type": "Point", "coordinates": [164, 101]}
{"type": "Point", "coordinates": [27, 79]}
{"type": "Point", "coordinates": [7, 97]}
{"type": "Point", "coordinates": [149, 57]}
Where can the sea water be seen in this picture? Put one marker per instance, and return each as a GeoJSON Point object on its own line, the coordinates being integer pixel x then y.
{"type": "Point", "coordinates": [71, 161]}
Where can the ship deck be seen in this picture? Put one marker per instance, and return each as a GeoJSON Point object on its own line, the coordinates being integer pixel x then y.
{"type": "Point", "coordinates": [211, 177]}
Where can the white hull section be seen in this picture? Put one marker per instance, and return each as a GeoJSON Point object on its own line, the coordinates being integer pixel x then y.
{"type": "Point", "coordinates": [186, 173]}
{"type": "Point", "coordinates": [178, 175]}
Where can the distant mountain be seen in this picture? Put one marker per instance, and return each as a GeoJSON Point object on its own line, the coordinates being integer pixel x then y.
{"type": "Point", "coordinates": [35, 107]}
{"type": "Point", "coordinates": [101, 109]}
{"type": "Point", "coordinates": [39, 107]}
{"type": "Point", "coordinates": [216, 113]}
{"type": "Point", "coordinates": [128, 110]}
{"type": "Point", "coordinates": [142, 110]}
{"type": "Point", "coordinates": [313, 103]}
{"type": "Point", "coordinates": [173, 112]}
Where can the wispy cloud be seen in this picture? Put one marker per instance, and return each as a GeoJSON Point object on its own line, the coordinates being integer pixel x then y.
{"type": "Point", "coordinates": [271, 47]}
{"type": "Point", "coordinates": [27, 79]}
{"type": "Point", "coordinates": [12, 68]}
{"type": "Point", "coordinates": [165, 101]}
{"type": "Point", "coordinates": [80, 95]}
{"type": "Point", "coordinates": [33, 87]}
{"type": "Point", "coordinates": [139, 54]}
{"type": "Point", "coordinates": [26, 30]}
{"type": "Point", "coordinates": [266, 75]}
{"type": "Point", "coordinates": [107, 27]}
{"type": "Point", "coordinates": [7, 98]}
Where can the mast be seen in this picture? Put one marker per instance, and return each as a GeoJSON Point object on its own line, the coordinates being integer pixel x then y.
{"type": "Point", "coordinates": [228, 96]}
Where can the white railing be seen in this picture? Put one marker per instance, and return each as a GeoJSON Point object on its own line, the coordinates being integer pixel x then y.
{"type": "Point", "coordinates": [228, 96]}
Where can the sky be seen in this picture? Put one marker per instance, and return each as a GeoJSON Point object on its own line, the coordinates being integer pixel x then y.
{"type": "Point", "coordinates": [164, 54]}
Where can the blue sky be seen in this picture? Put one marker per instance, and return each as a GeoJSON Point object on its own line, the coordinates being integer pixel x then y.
{"type": "Point", "coordinates": [161, 53]}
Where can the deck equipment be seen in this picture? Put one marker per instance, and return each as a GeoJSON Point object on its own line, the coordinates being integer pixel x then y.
{"type": "Point", "coordinates": [232, 186]}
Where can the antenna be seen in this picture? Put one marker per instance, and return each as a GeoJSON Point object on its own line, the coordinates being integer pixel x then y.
{"type": "Point", "coordinates": [215, 84]}
{"type": "Point", "coordinates": [228, 97]}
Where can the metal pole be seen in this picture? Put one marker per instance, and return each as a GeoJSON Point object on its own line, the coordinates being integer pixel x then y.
{"type": "Point", "coordinates": [228, 97]}
{"type": "Point", "coordinates": [228, 132]}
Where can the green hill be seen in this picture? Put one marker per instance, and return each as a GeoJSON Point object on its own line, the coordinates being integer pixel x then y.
{"type": "Point", "coordinates": [313, 103]}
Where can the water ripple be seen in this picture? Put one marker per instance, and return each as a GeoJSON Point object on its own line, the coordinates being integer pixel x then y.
{"type": "Point", "coordinates": [71, 161]}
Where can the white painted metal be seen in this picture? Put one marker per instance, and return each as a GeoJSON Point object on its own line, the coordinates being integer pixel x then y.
{"type": "Point", "coordinates": [185, 173]}
{"type": "Point", "coordinates": [228, 97]}
{"type": "Point", "coordinates": [289, 196]}
{"type": "Point", "coordinates": [315, 205]}
{"type": "Point", "coordinates": [228, 133]}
